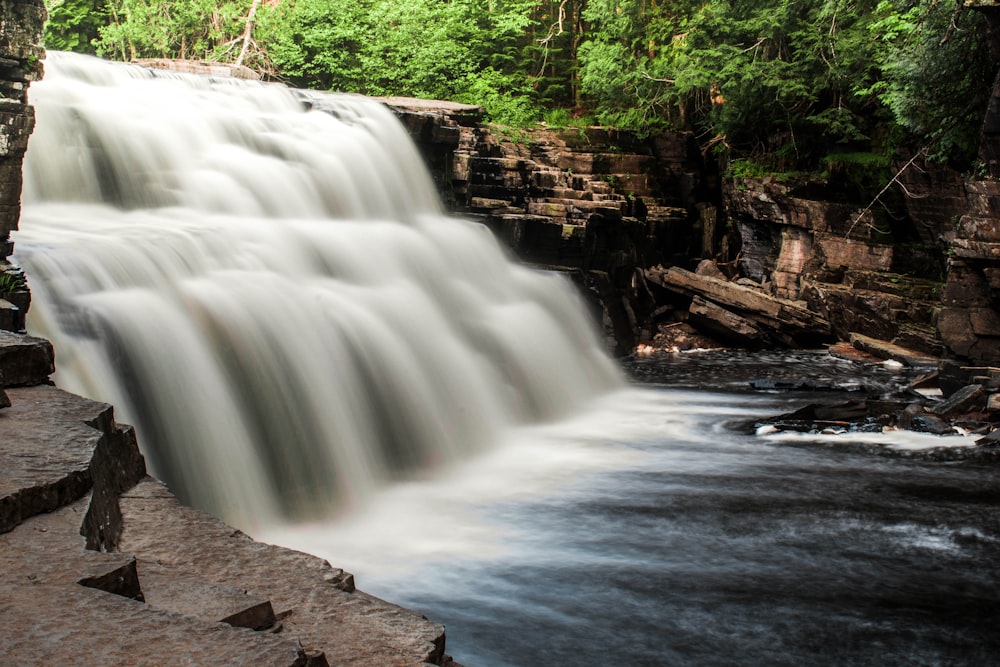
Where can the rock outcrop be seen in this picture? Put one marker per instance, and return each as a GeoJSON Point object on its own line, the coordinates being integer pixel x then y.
{"type": "Point", "coordinates": [597, 203]}
{"type": "Point", "coordinates": [21, 51]}
{"type": "Point", "coordinates": [94, 551]}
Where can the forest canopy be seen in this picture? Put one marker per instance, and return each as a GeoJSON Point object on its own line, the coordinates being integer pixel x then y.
{"type": "Point", "coordinates": [783, 80]}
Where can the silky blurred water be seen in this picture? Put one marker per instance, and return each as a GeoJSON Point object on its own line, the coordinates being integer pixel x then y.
{"type": "Point", "coordinates": [261, 280]}
{"type": "Point", "coordinates": [651, 533]}
{"type": "Point", "coordinates": [311, 350]}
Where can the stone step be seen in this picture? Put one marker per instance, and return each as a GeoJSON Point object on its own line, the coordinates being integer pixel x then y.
{"type": "Point", "coordinates": [192, 596]}
{"type": "Point", "coordinates": [60, 607]}
{"type": "Point", "coordinates": [46, 446]}
{"type": "Point", "coordinates": [317, 604]}
{"type": "Point", "coordinates": [25, 360]}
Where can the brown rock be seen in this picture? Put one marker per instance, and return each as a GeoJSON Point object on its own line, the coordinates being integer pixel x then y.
{"type": "Point", "coordinates": [25, 360]}
{"type": "Point", "coordinates": [707, 267]}
{"type": "Point", "coordinates": [885, 350]}
{"type": "Point", "coordinates": [725, 324]}
{"type": "Point", "coordinates": [971, 398]}
{"type": "Point", "coordinates": [785, 321]}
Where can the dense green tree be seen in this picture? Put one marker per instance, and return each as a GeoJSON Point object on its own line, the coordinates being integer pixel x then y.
{"type": "Point", "coordinates": [757, 76]}
{"type": "Point", "coordinates": [784, 81]}
{"type": "Point", "coordinates": [158, 28]}
{"type": "Point", "coordinates": [463, 49]}
{"type": "Point", "coordinates": [936, 74]}
{"type": "Point", "coordinates": [74, 25]}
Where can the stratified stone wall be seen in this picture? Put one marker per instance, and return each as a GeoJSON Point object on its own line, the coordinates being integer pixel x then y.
{"type": "Point", "coordinates": [21, 52]}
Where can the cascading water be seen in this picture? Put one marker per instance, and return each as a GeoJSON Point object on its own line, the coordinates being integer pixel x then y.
{"type": "Point", "coordinates": [273, 296]}
{"type": "Point", "coordinates": [264, 284]}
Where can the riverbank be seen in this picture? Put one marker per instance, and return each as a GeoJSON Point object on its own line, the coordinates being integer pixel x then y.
{"type": "Point", "coordinates": [94, 550]}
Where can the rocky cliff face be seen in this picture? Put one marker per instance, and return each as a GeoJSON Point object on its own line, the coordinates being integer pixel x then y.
{"type": "Point", "coordinates": [600, 204]}
{"type": "Point", "coordinates": [802, 241]}
{"type": "Point", "coordinates": [21, 25]}
{"type": "Point", "coordinates": [609, 207]}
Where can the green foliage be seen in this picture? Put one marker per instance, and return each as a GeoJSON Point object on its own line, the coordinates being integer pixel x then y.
{"type": "Point", "coordinates": [783, 82]}
{"type": "Point", "coordinates": [743, 168]}
{"type": "Point", "coordinates": [11, 282]}
{"type": "Point", "coordinates": [936, 88]}
{"type": "Point", "coordinates": [74, 24]}
{"type": "Point", "coordinates": [157, 28]}
{"type": "Point", "coordinates": [758, 76]}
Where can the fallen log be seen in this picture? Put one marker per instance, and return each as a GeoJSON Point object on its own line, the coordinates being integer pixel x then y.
{"type": "Point", "coordinates": [780, 321]}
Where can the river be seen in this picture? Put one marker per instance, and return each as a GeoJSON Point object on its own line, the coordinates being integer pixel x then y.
{"type": "Point", "coordinates": [657, 531]}
{"type": "Point", "coordinates": [263, 282]}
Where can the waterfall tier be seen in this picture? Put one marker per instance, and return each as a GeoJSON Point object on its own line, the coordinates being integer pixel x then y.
{"type": "Point", "coordinates": [262, 281]}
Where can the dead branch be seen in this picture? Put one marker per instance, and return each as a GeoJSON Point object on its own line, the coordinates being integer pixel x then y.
{"type": "Point", "coordinates": [953, 24]}
{"type": "Point", "coordinates": [247, 32]}
{"type": "Point", "coordinates": [894, 180]}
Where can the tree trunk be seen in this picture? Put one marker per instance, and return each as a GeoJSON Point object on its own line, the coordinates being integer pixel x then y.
{"type": "Point", "coordinates": [247, 32]}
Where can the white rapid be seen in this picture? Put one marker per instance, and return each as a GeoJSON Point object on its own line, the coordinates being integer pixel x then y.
{"type": "Point", "coordinates": [264, 284]}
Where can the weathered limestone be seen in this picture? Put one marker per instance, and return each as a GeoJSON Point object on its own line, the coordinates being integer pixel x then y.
{"type": "Point", "coordinates": [25, 360]}
{"type": "Point", "coordinates": [97, 557]}
{"type": "Point", "coordinates": [21, 23]}
{"type": "Point", "coordinates": [56, 612]}
{"type": "Point", "coordinates": [200, 67]}
{"type": "Point", "coordinates": [970, 318]}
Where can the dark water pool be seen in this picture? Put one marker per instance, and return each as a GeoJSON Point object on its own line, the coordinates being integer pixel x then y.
{"type": "Point", "coordinates": [671, 539]}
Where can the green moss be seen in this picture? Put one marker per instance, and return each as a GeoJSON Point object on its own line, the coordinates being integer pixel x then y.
{"type": "Point", "coordinates": [11, 282]}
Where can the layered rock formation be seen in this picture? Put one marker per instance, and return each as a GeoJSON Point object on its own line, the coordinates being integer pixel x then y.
{"type": "Point", "coordinates": [598, 203]}
{"type": "Point", "coordinates": [619, 212]}
{"type": "Point", "coordinates": [21, 52]}
{"type": "Point", "coordinates": [99, 560]}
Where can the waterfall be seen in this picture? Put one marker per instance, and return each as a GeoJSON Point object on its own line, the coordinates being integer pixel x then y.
{"type": "Point", "coordinates": [261, 280]}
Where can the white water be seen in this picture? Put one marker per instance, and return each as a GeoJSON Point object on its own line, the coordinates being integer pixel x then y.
{"type": "Point", "coordinates": [274, 298]}
{"type": "Point", "coordinates": [272, 295]}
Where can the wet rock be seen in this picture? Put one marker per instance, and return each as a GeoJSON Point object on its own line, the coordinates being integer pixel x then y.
{"type": "Point", "coordinates": [350, 628]}
{"type": "Point", "coordinates": [25, 360]}
{"type": "Point", "coordinates": [46, 446]}
{"type": "Point", "coordinates": [782, 322]}
{"type": "Point", "coordinates": [841, 414]}
{"type": "Point", "coordinates": [886, 350]}
{"type": "Point", "coordinates": [724, 324]}
{"type": "Point", "coordinates": [93, 551]}
{"type": "Point", "coordinates": [971, 398]}
{"type": "Point", "coordinates": [909, 413]}
{"type": "Point", "coordinates": [929, 423]}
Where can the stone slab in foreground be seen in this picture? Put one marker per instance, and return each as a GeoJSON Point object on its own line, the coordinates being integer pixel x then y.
{"type": "Point", "coordinates": [25, 360]}
{"type": "Point", "coordinates": [101, 565]}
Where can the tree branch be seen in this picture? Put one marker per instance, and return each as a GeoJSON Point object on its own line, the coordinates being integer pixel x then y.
{"type": "Point", "coordinates": [247, 32]}
{"type": "Point", "coordinates": [953, 24]}
{"type": "Point", "coordinates": [894, 180]}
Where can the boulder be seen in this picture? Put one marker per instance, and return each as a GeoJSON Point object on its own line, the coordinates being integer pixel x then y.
{"type": "Point", "coordinates": [971, 398]}
{"type": "Point", "coordinates": [25, 360]}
